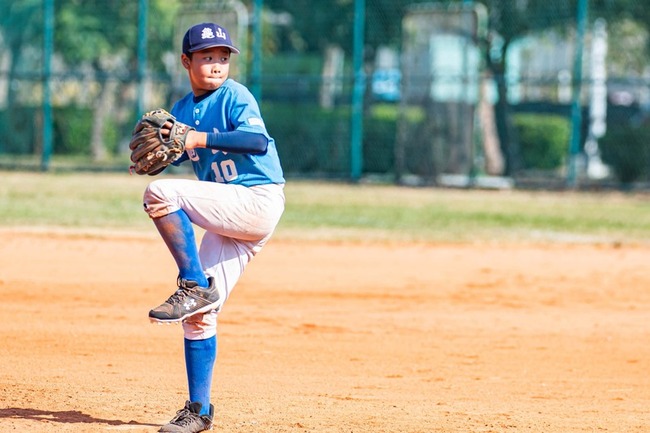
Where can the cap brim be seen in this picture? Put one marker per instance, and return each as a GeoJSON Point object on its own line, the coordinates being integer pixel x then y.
{"type": "Point", "coordinates": [230, 47]}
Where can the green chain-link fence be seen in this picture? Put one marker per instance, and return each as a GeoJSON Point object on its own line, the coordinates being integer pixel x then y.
{"type": "Point", "coordinates": [496, 92]}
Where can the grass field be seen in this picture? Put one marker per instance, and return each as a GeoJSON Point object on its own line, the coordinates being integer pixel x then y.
{"type": "Point", "coordinates": [341, 211]}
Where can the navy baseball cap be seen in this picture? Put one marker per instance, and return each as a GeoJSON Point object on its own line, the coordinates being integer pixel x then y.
{"type": "Point", "coordinates": [207, 35]}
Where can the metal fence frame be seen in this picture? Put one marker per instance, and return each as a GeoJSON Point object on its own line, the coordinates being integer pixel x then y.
{"type": "Point", "coordinates": [359, 83]}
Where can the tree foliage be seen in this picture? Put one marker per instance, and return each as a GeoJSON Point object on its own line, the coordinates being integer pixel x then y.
{"type": "Point", "coordinates": [101, 36]}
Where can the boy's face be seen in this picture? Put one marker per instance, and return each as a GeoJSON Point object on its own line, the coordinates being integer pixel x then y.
{"type": "Point", "coordinates": [207, 69]}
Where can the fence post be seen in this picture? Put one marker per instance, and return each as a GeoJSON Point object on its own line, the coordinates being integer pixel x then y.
{"type": "Point", "coordinates": [48, 48]}
{"type": "Point", "coordinates": [576, 108]}
{"type": "Point", "coordinates": [356, 134]}
{"type": "Point", "coordinates": [256, 65]}
{"type": "Point", "coordinates": [143, 8]}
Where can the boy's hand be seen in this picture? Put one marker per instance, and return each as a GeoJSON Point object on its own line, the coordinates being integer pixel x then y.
{"type": "Point", "coordinates": [158, 139]}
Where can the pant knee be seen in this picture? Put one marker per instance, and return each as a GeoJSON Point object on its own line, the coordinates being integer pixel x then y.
{"type": "Point", "coordinates": [158, 199]}
{"type": "Point", "coordinates": [201, 326]}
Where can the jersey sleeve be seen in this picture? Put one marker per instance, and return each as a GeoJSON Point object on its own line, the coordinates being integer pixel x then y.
{"type": "Point", "coordinates": [245, 113]}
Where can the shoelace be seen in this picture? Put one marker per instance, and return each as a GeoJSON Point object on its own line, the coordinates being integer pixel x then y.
{"type": "Point", "coordinates": [184, 417]}
{"type": "Point", "coordinates": [177, 295]}
{"type": "Point", "coordinates": [180, 416]}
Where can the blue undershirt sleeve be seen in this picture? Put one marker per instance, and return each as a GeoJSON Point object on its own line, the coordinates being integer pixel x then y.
{"type": "Point", "coordinates": [237, 142]}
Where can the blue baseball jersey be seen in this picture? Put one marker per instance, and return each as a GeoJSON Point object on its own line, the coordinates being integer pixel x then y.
{"type": "Point", "coordinates": [231, 107]}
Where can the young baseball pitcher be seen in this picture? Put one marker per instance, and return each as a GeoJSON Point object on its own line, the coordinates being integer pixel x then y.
{"type": "Point", "coordinates": [237, 199]}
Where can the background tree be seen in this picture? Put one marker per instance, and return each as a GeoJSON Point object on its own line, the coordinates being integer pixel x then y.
{"type": "Point", "coordinates": [508, 21]}
{"type": "Point", "coordinates": [99, 39]}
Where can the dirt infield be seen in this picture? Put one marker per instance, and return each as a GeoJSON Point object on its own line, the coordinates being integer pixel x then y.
{"type": "Point", "coordinates": [332, 337]}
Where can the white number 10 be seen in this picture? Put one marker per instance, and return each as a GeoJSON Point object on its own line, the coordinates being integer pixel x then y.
{"type": "Point", "coordinates": [225, 171]}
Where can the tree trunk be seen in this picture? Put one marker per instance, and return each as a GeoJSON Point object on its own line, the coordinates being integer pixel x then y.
{"type": "Point", "coordinates": [503, 118]}
{"type": "Point", "coordinates": [102, 110]}
{"type": "Point", "coordinates": [494, 162]}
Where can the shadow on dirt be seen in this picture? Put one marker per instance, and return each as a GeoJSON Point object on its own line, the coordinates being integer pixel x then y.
{"type": "Point", "coordinates": [65, 417]}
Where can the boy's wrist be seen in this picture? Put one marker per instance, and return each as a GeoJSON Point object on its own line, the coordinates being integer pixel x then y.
{"type": "Point", "coordinates": [195, 139]}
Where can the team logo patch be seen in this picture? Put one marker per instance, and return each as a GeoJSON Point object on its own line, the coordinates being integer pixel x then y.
{"type": "Point", "coordinates": [255, 121]}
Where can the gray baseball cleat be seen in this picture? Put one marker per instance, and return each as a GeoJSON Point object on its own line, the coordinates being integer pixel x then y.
{"type": "Point", "coordinates": [188, 420]}
{"type": "Point", "coordinates": [188, 300]}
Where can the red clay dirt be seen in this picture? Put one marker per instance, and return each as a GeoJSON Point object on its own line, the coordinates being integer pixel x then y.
{"type": "Point", "coordinates": [331, 337]}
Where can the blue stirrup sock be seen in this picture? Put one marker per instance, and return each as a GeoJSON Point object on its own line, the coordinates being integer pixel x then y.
{"type": "Point", "coordinates": [177, 232]}
{"type": "Point", "coordinates": [200, 356]}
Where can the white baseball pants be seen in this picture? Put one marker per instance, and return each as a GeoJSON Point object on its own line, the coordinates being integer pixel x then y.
{"type": "Point", "coordinates": [237, 220]}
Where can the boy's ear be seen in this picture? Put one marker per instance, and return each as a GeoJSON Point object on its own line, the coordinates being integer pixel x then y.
{"type": "Point", "coordinates": [185, 61]}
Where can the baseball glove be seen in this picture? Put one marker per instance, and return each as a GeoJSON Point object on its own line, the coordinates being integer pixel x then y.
{"type": "Point", "coordinates": [158, 139]}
